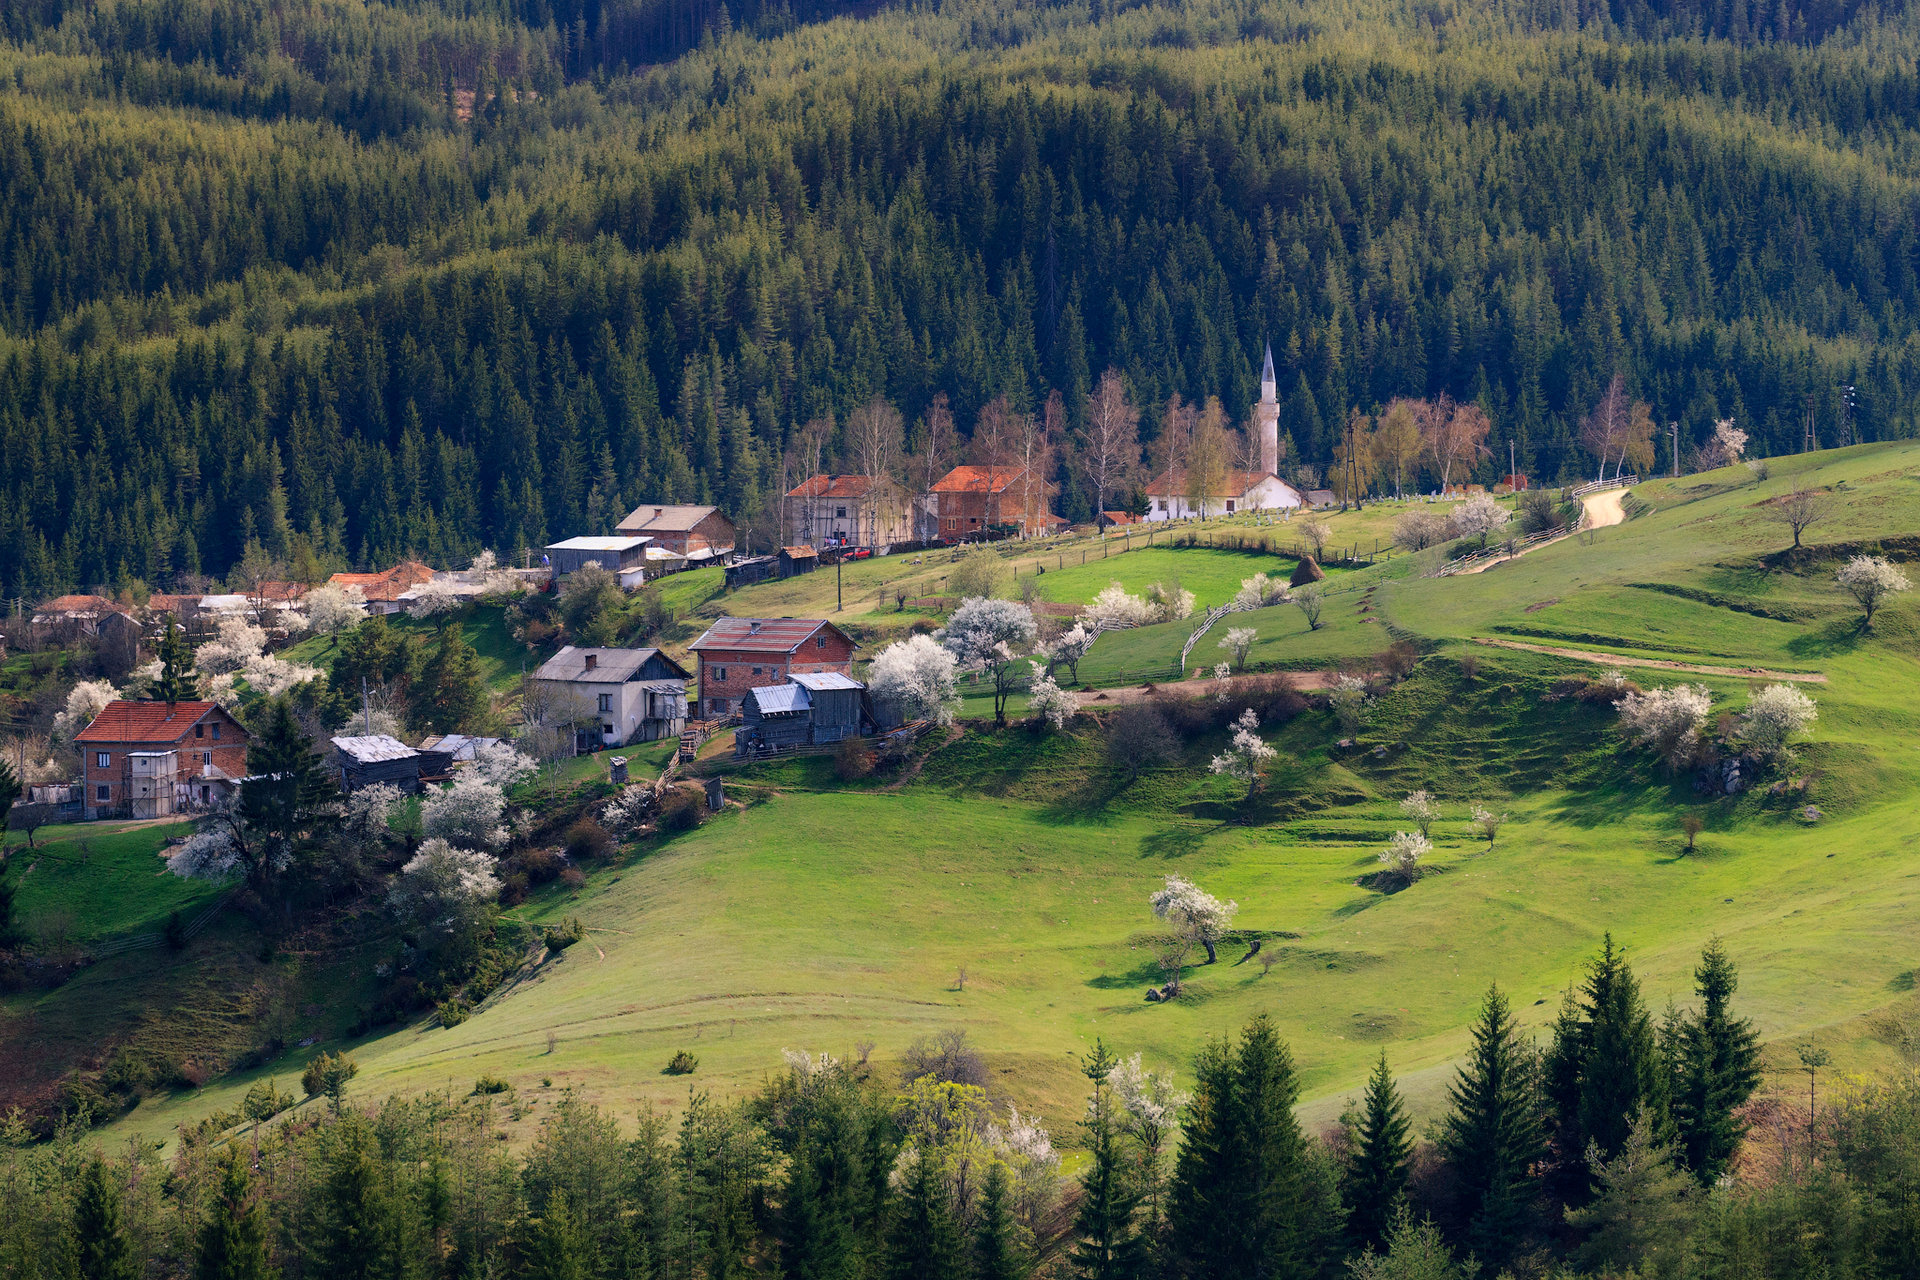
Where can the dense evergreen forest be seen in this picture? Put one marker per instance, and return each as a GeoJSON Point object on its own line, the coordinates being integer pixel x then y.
{"type": "Point", "coordinates": [363, 280]}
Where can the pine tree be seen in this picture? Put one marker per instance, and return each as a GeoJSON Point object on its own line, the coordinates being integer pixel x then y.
{"type": "Point", "coordinates": [233, 1238]}
{"type": "Point", "coordinates": [816, 1235]}
{"type": "Point", "coordinates": [1604, 1066]}
{"type": "Point", "coordinates": [450, 691]}
{"type": "Point", "coordinates": [1717, 1070]}
{"type": "Point", "coordinates": [176, 667]}
{"type": "Point", "coordinates": [1641, 1204]}
{"type": "Point", "coordinates": [350, 1225]}
{"type": "Point", "coordinates": [284, 799]}
{"type": "Point", "coordinates": [1373, 1184]}
{"type": "Point", "coordinates": [101, 1248]}
{"type": "Point", "coordinates": [553, 1248]}
{"type": "Point", "coordinates": [1107, 1244]}
{"type": "Point", "coordinates": [925, 1242]}
{"type": "Point", "coordinates": [997, 1254]}
{"type": "Point", "coordinates": [1492, 1134]}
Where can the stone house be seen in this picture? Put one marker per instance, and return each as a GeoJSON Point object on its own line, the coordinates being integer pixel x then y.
{"type": "Point", "coordinates": [970, 501]}
{"type": "Point", "coordinates": [695, 534]}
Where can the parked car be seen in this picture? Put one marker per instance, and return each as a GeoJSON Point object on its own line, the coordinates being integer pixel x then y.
{"type": "Point", "coordinates": [859, 553]}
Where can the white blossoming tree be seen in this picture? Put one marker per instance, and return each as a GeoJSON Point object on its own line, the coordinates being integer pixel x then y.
{"type": "Point", "coordinates": [625, 813]}
{"type": "Point", "coordinates": [236, 643]}
{"type": "Point", "coordinates": [989, 637]}
{"type": "Point", "coordinates": [1403, 854]}
{"type": "Point", "coordinates": [1349, 699]}
{"type": "Point", "coordinates": [367, 816]}
{"type": "Point", "coordinates": [1247, 755]}
{"type": "Point", "coordinates": [919, 676]}
{"type": "Point", "coordinates": [1485, 822]}
{"type": "Point", "coordinates": [1666, 720]}
{"type": "Point", "coordinates": [84, 701]}
{"type": "Point", "coordinates": [1872, 580]}
{"type": "Point", "coordinates": [1775, 716]}
{"type": "Point", "coordinates": [1069, 648]}
{"type": "Point", "coordinates": [1113, 609]}
{"type": "Point", "coordinates": [1419, 806]}
{"type": "Point", "coordinates": [433, 598]}
{"type": "Point", "coordinates": [1169, 601]}
{"type": "Point", "coordinates": [1259, 591]}
{"type": "Point", "coordinates": [331, 609]}
{"type": "Point", "coordinates": [1478, 518]}
{"type": "Point", "coordinates": [468, 814]}
{"type": "Point", "coordinates": [446, 890]}
{"type": "Point", "coordinates": [1027, 1151]}
{"type": "Point", "coordinates": [1239, 642]}
{"type": "Point", "coordinates": [1193, 914]}
{"type": "Point", "coordinates": [503, 764]}
{"type": "Point", "coordinates": [1048, 700]}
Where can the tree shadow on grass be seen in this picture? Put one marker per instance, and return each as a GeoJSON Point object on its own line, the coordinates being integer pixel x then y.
{"type": "Point", "coordinates": [1840, 636]}
{"type": "Point", "coordinates": [1176, 841]}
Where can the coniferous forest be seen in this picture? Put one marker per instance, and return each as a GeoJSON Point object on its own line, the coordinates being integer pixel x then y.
{"type": "Point", "coordinates": [356, 281]}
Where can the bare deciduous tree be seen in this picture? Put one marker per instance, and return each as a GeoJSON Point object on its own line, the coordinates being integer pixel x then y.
{"type": "Point", "coordinates": [1139, 738]}
{"type": "Point", "coordinates": [1800, 508]}
{"type": "Point", "coordinates": [1604, 429]}
{"type": "Point", "coordinates": [1398, 439]}
{"type": "Point", "coordinates": [1110, 444]}
{"type": "Point", "coordinates": [1207, 457]}
{"type": "Point", "coordinates": [874, 436]}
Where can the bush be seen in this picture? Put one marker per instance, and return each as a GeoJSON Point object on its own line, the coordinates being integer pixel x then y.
{"type": "Point", "coordinates": [453, 1011]}
{"type": "Point", "coordinates": [572, 877]}
{"type": "Point", "coordinates": [1538, 514]}
{"type": "Point", "coordinates": [1399, 660]}
{"type": "Point", "coordinates": [682, 813]}
{"type": "Point", "coordinates": [852, 760]}
{"type": "Point", "coordinates": [1139, 737]}
{"type": "Point", "coordinates": [682, 1064]}
{"type": "Point", "coordinates": [588, 841]}
{"type": "Point", "coordinates": [540, 865]}
{"type": "Point", "coordinates": [490, 1085]}
{"type": "Point", "coordinates": [563, 935]}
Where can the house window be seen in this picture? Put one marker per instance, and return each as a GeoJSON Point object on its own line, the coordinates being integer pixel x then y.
{"type": "Point", "coordinates": [100, 793]}
{"type": "Point", "coordinates": [1229, 506]}
{"type": "Point", "coordinates": [717, 704]}
{"type": "Point", "coordinates": [199, 731]}
{"type": "Point", "coordinates": [216, 733]}
{"type": "Point", "coordinates": [820, 642]}
{"type": "Point", "coordinates": [206, 795]}
{"type": "Point", "coordinates": [719, 673]}
{"type": "Point", "coordinates": [756, 671]}
{"type": "Point", "coordinates": [606, 703]}
{"type": "Point", "coordinates": [206, 757]}
{"type": "Point", "coordinates": [606, 730]}
{"type": "Point", "coordinates": [840, 513]}
{"type": "Point", "coordinates": [102, 759]}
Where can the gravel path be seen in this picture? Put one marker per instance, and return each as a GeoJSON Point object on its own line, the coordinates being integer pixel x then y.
{"type": "Point", "coordinates": [1659, 664]}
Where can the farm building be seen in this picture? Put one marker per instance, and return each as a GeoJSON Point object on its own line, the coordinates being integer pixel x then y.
{"type": "Point", "coordinates": [849, 510]}
{"type": "Point", "coordinates": [697, 534]}
{"type": "Point", "coordinates": [744, 573]}
{"type": "Point", "coordinates": [1317, 498]}
{"type": "Point", "coordinates": [811, 709]}
{"type": "Point", "coordinates": [1168, 499]}
{"type": "Point", "coordinates": [612, 697]}
{"type": "Point", "coordinates": [458, 746]}
{"type": "Point", "coordinates": [151, 759]}
{"type": "Point", "coordinates": [738, 654]}
{"type": "Point", "coordinates": [364, 761]}
{"type": "Point", "coordinates": [623, 556]}
{"type": "Point", "coordinates": [383, 590]}
{"type": "Point", "coordinates": [797, 560]}
{"type": "Point", "coordinates": [969, 501]}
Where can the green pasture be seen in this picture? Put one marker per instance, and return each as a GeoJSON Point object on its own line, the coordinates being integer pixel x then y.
{"type": "Point", "coordinates": [501, 658]}
{"type": "Point", "coordinates": [94, 880]}
{"type": "Point", "coordinates": [824, 915]}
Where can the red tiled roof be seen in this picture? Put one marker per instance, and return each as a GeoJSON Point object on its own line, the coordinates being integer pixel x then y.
{"type": "Point", "coordinates": [282, 590]}
{"type": "Point", "coordinates": [387, 584]}
{"type": "Point", "coordinates": [979, 479]}
{"type": "Point", "coordinates": [1121, 517]}
{"type": "Point", "coordinates": [82, 604]}
{"type": "Point", "coordinates": [122, 721]}
{"type": "Point", "coordinates": [762, 635]}
{"type": "Point", "coordinates": [833, 487]}
{"type": "Point", "coordinates": [171, 603]}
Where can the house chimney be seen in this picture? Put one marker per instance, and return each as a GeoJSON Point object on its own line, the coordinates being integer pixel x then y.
{"type": "Point", "coordinates": [593, 660]}
{"type": "Point", "coordinates": [753, 628]}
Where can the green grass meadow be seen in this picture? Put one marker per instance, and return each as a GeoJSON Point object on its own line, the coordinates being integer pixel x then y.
{"type": "Point", "coordinates": [822, 915]}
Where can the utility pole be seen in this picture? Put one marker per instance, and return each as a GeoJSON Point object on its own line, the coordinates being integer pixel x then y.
{"type": "Point", "coordinates": [366, 708]}
{"type": "Point", "coordinates": [1846, 413]}
{"type": "Point", "coordinates": [1812, 441]}
{"type": "Point", "coordinates": [1513, 472]}
{"type": "Point", "coordinates": [838, 561]}
{"type": "Point", "coordinates": [1673, 432]}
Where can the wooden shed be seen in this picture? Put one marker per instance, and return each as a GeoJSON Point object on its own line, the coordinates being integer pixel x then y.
{"type": "Point", "coordinates": [364, 761]}
{"type": "Point", "coordinates": [743, 573]}
{"type": "Point", "coordinates": [812, 709]}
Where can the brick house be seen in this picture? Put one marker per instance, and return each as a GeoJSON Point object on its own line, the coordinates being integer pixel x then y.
{"type": "Point", "coordinates": [148, 759]}
{"type": "Point", "coordinates": [697, 533]}
{"type": "Point", "coordinates": [861, 511]}
{"type": "Point", "coordinates": [968, 501]}
{"type": "Point", "coordinates": [738, 654]}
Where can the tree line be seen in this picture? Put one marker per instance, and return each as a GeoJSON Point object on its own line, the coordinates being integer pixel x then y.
{"type": "Point", "coordinates": [1607, 1151]}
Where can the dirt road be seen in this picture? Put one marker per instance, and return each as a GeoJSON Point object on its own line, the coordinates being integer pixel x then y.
{"type": "Point", "coordinates": [1658, 664]}
{"type": "Point", "coordinates": [1602, 509]}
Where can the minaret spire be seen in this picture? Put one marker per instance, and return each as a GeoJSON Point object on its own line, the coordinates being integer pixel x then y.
{"type": "Point", "coordinates": [1266, 417]}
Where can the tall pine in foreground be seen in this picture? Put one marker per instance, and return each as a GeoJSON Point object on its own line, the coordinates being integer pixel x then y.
{"type": "Point", "coordinates": [1373, 1183]}
{"type": "Point", "coordinates": [926, 1241]}
{"type": "Point", "coordinates": [1493, 1134]}
{"type": "Point", "coordinates": [233, 1238]}
{"type": "Point", "coordinates": [1604, 1066]}
{"type": "Point", "coordinates": [175, 683]}
{"type": "Point", "coordinates": [1716, 1069]}
{"type": "Point", "coordinates": [1108, 1244]}
{"type": "Point", "coordinates": [100, 1245]}
{"type": "Point", "coordinates": [997, 1252]}
{"type": "Point", "coordinates": [1249, 1196]}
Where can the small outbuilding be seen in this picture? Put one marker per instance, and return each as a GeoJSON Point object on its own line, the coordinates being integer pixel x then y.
{"type": "Point", "coordinates": [744, 573]}
{"type": "Point", "coordinates": [813, 708]}
{"type": "Point", "coordinates": [794, 560]}
{"type": "Point", "coordinates": [622, 556]}
{"type": "Point", "coordinates": [374, 758]}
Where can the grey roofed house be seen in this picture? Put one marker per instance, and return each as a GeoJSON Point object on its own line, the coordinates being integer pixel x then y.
{"type": "Point", "coordinates": [813, 708]}
{"type": "Point", "coordinates": [612, 554]}
{"type": "Point", "coordinates": [612, 697]}
{"type": "Point", "coordinates": [610, 666]}
{"type": "Point", "coordinates": [459, 746]}
{"type": "Point", "coordinates": [822, 681]}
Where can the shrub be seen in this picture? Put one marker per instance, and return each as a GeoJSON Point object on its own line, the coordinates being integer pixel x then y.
{"type": "Point", "coordinates": [981, 572]}
{"type": "Point", "coordinates": [1399, 660]}
{"type": "Point", "coordinates": [572, 877]}
{"type": "Point", "coordinates": [453, 1011]}
{"type": "Point", "coordinates": [1538, 514]}
{"type": "Point", "coordinates": [852, 760]}
{"type": "Point", "coordinates": [1139, 737]}
{"type": "Point", "coordinates": [588, 841]}
{"type": "Point", "coordinates": [1776, 714]}
{"type": "Point", "coordinates": [682, 1064]}
{"type": "Point", "coordinates": [541, 865]}
{"type": "Point", "coordinates": [682, 813]}
{"type": "Point", "coordinates": [1667, 720]}
{"type": "Point", "coordinates": [486, 1085]}
{"type": "Point", "coordinates": [563, 935]}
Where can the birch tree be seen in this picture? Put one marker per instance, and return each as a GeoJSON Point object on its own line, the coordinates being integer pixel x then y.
{"type": "Point", "coordinates": [1110, 443]}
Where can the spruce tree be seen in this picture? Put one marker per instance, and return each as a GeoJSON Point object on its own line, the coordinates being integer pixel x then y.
{"type": "Point", "coordinates": [1641, 1205]}
{"type": "Point", "coordinates": [285, 797]}
{"type": "Point", "coordinates": [816, 1234]}
{"type": "Point", "coordinates": [233, 1238]}
{"type": "Point", "coordinates": [350, 1226]}
{"type": "Point", "coordinates": [450, 691]}
{"type": "Point", "coordinates": [925, 1243]}
{"type": "Point", "coordinates": [1492, 1135]}
{"type": "Point", "coordinates": [101, 1248]}
{"type": "Point", "coordinates": [553, 1247]}
{"type": "Point", "coordinates": [1373, 1184]}
{"type": "Point", "coordinates": [1717, 1069]}
{"type": "Point", "coordinates": [1107, 1244]}
{"type": "Point", "coordinates": [1603, 1067]}
{"type": "Point", "coordinates": [175, 684]}
{"type": "Point", "coordinates": [997, 1254]}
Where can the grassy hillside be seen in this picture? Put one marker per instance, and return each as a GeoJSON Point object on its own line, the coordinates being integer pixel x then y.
{"type": "Point", "coordinates": [824, 915]}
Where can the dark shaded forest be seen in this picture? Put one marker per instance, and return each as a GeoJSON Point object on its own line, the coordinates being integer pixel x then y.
{"type": "Point", "coordinates": [362, 281]}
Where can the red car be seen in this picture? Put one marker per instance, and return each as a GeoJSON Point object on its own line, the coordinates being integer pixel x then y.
{"type": "Point", "coordinates": [858, 553]}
